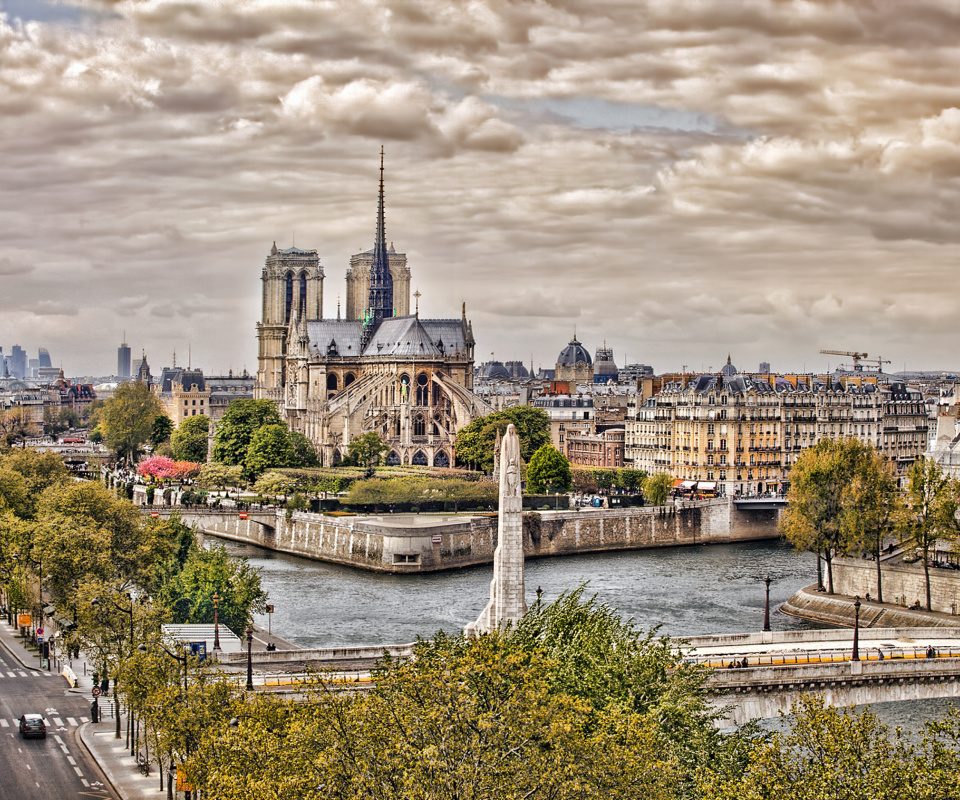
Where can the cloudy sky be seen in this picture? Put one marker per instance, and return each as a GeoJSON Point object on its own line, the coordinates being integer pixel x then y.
{"type": "Point", "coordinates": [681, 179]}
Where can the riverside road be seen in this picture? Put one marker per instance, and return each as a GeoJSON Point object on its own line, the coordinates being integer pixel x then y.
{"type": "Point", "coordinates": [55, 767]}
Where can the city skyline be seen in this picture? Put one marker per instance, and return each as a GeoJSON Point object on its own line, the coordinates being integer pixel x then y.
{"type": "Point", "coordinates": [676, 181]}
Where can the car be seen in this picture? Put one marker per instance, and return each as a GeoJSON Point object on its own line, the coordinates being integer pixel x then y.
{"type": "Point", "coordinates": [33, 725]}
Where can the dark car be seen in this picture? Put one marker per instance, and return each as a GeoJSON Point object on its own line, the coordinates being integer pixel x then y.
{"type": "Point", "coordinates": [32, 725]}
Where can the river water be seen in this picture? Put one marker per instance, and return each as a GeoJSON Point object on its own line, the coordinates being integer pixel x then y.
{"type": "Point", "coordinates": [688, 591]}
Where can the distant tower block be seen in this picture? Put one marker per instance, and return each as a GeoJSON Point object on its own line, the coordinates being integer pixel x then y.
{"type": "Point", "coordinates": [507, 602]}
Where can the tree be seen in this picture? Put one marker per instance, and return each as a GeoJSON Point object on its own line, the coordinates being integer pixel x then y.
{"type": "Point", "coordinates": [14, 424]}
{"type": "Point", "coordinates": [240, 422]}
{"type": "Point", "coordinates": [304, 453]}
{"type": "Point", "coordinates": [127, 419]}
{"type": "Point", "coordinates": [818, 481]}
{"type": "Point", "coordinates": [549, 471]}
{"type": "Point", "coordinates": [870, 507]}
{"type": "Point", "coordinates": [930, 511]}
{"type": "Point", "coordinates": [476, 442]}
{"type": "Point", "coordinates": [367, 449]}
{"type": "Point", "coordinates": [270, 447]}
{"type": "Point", "coordinates": [219, 476]}
{"type": "Point", "coordinates": [273, 483]}
{"type": "Point", "coordinates": [656, 488]}
{"type": "Point", "coordinates": [161, 430]}
{"type": "Point", "coordinates": [189, 441]}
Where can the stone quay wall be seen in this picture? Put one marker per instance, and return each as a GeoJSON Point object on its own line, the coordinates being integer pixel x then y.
{"type": "Point", "coordinates": [903, 584]}
{"type": "Point", "coordinates": [405, 543]}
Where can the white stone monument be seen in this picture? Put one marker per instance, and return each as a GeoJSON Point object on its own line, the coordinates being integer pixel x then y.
{"type": "Point", "coordinates": [507, 601]}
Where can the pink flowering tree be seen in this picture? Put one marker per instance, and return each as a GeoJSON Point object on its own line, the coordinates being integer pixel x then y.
{"type": "Point", "coordinates": [158, 468]}
{"type": "Point", "coordinates": [183, 470]}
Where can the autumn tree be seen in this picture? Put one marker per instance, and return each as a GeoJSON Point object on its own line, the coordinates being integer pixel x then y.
{"type": "Point", "coordinates": [870, 506]}
{"type": "Point", "coordinates": [656, 488]}
{"type": "Point", "coordinates": [930, 512]}
{"type": "Point", "coordinates": [127, 419]}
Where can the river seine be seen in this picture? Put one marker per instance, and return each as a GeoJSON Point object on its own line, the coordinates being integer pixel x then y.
{"type": "Point", "coordinates": [688, 591]}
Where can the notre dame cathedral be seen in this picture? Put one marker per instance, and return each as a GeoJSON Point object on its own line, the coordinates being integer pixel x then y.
{"type": "Point", "coordinates": [381, 369]}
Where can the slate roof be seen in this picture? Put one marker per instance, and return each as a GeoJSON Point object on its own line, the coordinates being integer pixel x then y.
{"type": "Point", "coordinates": [398, 337]}
{"type": "Point", "coordinates": [344, 334]}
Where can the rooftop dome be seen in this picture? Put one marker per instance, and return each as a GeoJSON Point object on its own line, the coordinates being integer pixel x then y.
{"type": "Point", "coordinates": [573, 354]}
{"type": "Point", "coordinates": [728, 368]}
{"type": "Point", "coordinates": [494, 371]}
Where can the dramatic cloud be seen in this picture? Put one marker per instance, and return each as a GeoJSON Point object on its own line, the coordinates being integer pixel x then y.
{"type": "Point", "coordinates": [677, 178]}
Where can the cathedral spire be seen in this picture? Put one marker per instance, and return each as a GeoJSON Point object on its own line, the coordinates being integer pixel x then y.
{"type": "Point", "coordinates": [380, 302]}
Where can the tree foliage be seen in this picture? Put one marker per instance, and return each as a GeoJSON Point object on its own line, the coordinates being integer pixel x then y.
{"type": "Point", "coordinates": [476, 442]}
{"type": "Point", "coordinates": [270, 447]}
{"type": "Point", "coordinates": [189, 441]}
{"type": "Point", "coordinates": [127, 419]}
{"type": "Point", "coordinates": [240, 422]}
{"type": "Point", "coordinates": [548, 471]}
{"type": "Point", "coordinates": [367, 450]}
{"type": "Point", "coordinates": [930, 512]}
{"type": "Point", "coordinates": [656, 488]}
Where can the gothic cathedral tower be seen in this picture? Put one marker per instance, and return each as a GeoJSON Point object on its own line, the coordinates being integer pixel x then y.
{"type": "Point", "coordinates": [292, 291]}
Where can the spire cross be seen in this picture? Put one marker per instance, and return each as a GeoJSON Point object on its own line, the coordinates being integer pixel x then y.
{"type": "Point", "coordinates": [417, 297]}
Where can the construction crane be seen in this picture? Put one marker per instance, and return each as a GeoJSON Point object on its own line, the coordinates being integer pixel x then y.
{"type": "Point", "coordinates": [879, 362]}
{"type": "Point", "coordinates": [857, 357]}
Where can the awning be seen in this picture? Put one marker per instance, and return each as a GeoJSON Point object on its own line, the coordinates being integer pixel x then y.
{"type": "Point", "coordinates": [677, 483]}
{"type": "Point", "coordinates": [688, 484]}
{"type": "Point", "coordinates": [708, 486]}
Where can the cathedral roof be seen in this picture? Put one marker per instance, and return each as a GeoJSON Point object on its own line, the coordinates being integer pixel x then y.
{"type": "Point", "coordinates": [401, 336]}
{"type": "Point", "coordinates": [339, 337]}
{"type": "Point", "coordinates": [395, 336]}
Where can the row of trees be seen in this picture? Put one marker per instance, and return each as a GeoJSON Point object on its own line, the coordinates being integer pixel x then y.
{"type": "Point", "coordinates": [845, 499]}
{"type": "Point", "coordinates": [572, 704]}
{"type": "Point", "coordinates": [115, 574]}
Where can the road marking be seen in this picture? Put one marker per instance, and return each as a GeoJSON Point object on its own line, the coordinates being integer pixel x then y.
{"type": "Point", "coordinates": [58, 721]}
{"type": "Point", "coordinates": [39, 674]}
{"type": "Point", "coordinates": [46, 722]}
{"type": "Point", "coordinates": [72, 762]}
{"type": "Point", "coordinates": [4, 723]}
{"type": "Point", "coordinates": [85, 782]}
{"type": "Point", "coordinates": [64, 748]}
{"type": "Point", "coordinates": [59, 740]}
{"type": "Point", "coordinates": [29, 767]}
{"type": "Point", "coordinates": [12, 674]}
{"type": "Point", "coordinates": [22, 674]}
{"type": "Point", "coordinates": [77, 770]}
{"type": "Point", "coordinates": [84, 719]}
{"type": "Point", "coordinates": [72, 721]}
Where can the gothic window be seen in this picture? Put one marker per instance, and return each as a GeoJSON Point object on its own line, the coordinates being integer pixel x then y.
{"type": "Point", "coordinates": [441, 459]}
{"type": "Point", "coordinates": [348, 379]}
{"type": "Point", "coordinates": [419, 459]}
{"type": "Point", "coordinates": [423, 390]}
{"type": "Point", "coordinates": [336, 457]}
{"type": "Point", "coordinates": [289, 299]}
{"type": "Point", "coordinates": [303, 295]}
{"type": "Point", "coordinates": [393, 460]}
{"type": "Point", "coordinates": [332, 382]}
{"type": "Point", "coordinates": [419, 427]}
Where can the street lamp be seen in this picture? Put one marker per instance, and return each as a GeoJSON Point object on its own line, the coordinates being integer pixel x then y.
{"type": "Point", "coordinates": [216, 626]}
{"type": "Point", "coordinates": [856, 629]}
{"type": "Point", "coordinates": [249, 658]}
{"type": "Point", "coordinates": [766, 608]}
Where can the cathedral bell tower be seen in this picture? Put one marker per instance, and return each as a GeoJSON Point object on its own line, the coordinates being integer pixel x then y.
{"type": "Point", "coordinates": [380, 302]}
{"type": "Point", "coordinates": [292, 292]}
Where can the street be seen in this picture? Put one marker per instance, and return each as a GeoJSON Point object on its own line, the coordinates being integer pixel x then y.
{"type": "Point", "coordinates": [55, 767]}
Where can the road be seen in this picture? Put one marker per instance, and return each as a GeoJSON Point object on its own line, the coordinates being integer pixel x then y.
{"type": "Point", "coordinates": [40, 769]}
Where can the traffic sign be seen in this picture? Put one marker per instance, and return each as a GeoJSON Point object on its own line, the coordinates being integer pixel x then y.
{"type": "Point", "coordinates": [96, 691]}
{"type": "Point", "coordinates": [39, 639]}
{"type": "Point", "coordinates": [39, 631]}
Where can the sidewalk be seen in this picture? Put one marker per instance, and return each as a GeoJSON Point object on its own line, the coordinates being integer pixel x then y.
{"type": "Point", "coordinates": [111, 754]}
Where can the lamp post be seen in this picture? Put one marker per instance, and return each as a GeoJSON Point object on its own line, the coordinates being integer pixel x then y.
{"type": "Point", "coordinates": [766, 608]}
{"type": "Point", "coordinates": [249, 658]}
{"type": "Point", "coordinates": [856, 629]}
{"type": "Point", "coordinates": [216, 626]}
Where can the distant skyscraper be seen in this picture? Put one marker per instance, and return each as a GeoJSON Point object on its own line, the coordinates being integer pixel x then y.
{"type": "Point", "coordinates": [18, 362]}
{"type": "Point", "coordinates": [764, 366]}
{"type": "Point", "coordinates": [44, 358]}
{"type": "Point", "coordinates": [123, 361]}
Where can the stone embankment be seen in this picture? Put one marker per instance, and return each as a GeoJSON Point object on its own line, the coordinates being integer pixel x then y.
{"type": "Point", "coordinates": [837, 609]}
{"type": "Point", "coordinates": [407, 543]}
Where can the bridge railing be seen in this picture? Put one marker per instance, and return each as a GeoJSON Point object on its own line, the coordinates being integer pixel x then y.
{"type": "Point", "coordinates": [821, 656]}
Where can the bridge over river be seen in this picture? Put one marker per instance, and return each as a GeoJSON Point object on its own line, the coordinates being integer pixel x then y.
{"type": "Point", "coordinates": [762, 674]}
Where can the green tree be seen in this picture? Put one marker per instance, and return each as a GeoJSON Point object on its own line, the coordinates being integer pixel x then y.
{"type": "Point", "coordinates": [656, 488]}
{"type": "Point", "coordinates": [188, 594]}
{"type": "Point", "coordinates": [270, 447]}
{"type": "Point", "coordinates": [549, 471]}
{"type": "Point", "coordinates": [930, 512]}
{"type": "Point", "coordinates": [161, 431]}
{"type": "Point", "coordinates": [304, 453]}
{"type": "Point", "coordinates": [273, 483]}
{"type": "Point", "coordinates": [240, 422]}
{"type": "Point", "coordinates": [476, 442]}
{"type": "Point", "coordinates": [127, 419]}
{"type": "Point", "coordinates": [367, 449]}
{"type": "Point", "coordinates": [870, 507]}
{"type": "Point", "coordinates": [189, 441]}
